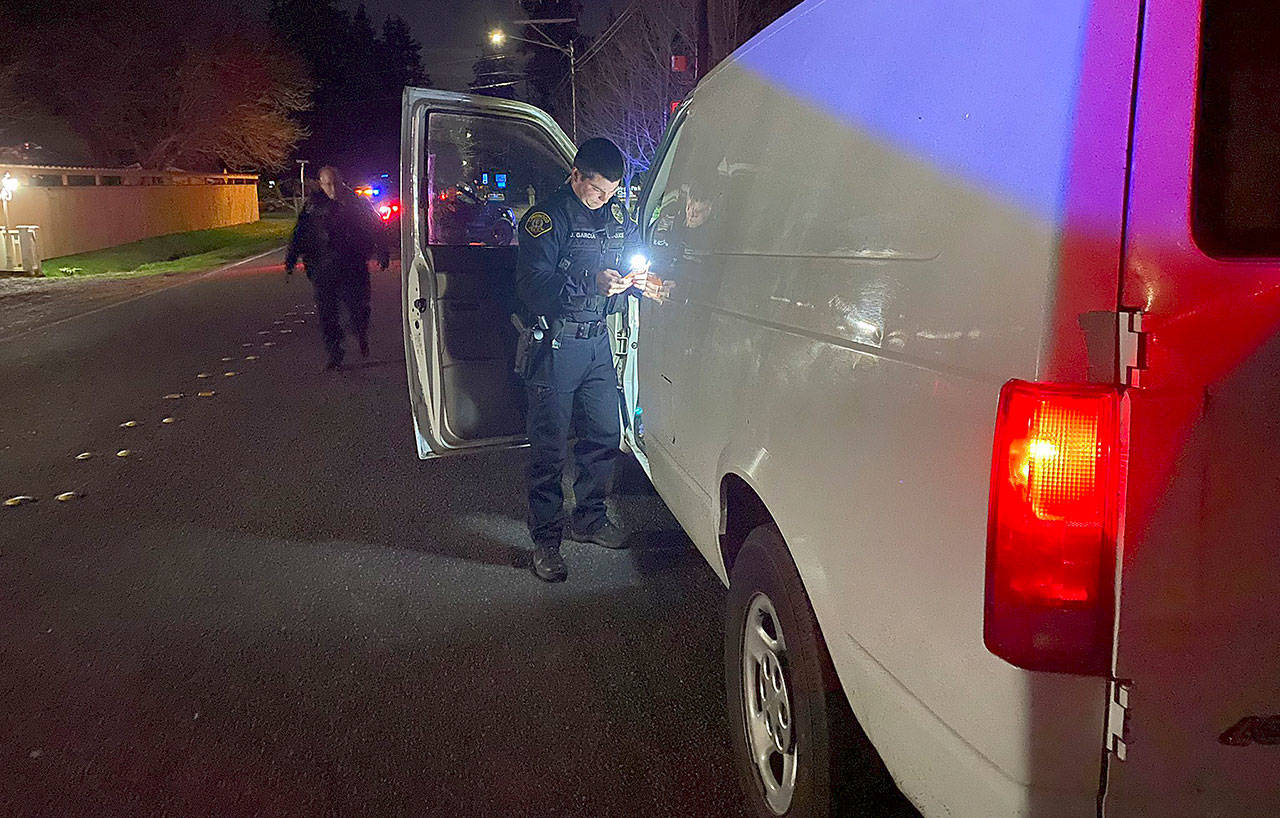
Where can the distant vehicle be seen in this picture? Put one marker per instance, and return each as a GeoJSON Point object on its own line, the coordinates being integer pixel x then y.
{"type": "Point", "coordinates": [968, 390]}
{"type": "Point", "coordinates": [388, 211]}
{"type": "Point", "coordinates": [471, 216]}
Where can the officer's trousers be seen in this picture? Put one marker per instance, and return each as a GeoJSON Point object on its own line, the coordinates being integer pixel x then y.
{"type": "Point", "coordinates": [349, 287]}
{"type": "Point", "coordinates": [576, 385]}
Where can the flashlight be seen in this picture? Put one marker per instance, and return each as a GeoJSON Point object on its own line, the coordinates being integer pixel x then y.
{"type": "Point", "coordinates": [639, 262]}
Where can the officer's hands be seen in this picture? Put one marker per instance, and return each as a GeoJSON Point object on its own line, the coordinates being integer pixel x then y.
{"type": "Point", "coordinates": [638, 279]}
{"type": "Point", "coordinates": [657, 289]}
{"type": "Point", "coordinates": [611, 282]}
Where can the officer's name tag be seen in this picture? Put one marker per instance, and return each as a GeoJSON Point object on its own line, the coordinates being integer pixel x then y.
{"type": "Point", "coordinates": [583, 234]}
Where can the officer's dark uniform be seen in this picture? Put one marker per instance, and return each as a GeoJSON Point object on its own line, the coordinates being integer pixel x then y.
{"type": "Point", "coordinates": [335, 238]}
{"type": "Point", "coordinates": [563, 245]}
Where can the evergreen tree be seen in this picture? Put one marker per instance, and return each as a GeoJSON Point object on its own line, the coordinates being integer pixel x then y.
{"type": "Point", "coordinates": [359, 78]}
{"type": "Point", "coordinates": [492, 75]}
{"type": "Point", "coordinates": [546, 68]}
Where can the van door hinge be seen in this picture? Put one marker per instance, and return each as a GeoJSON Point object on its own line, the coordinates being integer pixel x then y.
{"type": "Point", "coordinates": [1118, 691]}
{"type": "Point", "coordinates": [1133, 347]}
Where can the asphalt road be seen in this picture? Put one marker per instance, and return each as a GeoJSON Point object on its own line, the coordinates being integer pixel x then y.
{"type": "Point", "coordinates": [271, 607]}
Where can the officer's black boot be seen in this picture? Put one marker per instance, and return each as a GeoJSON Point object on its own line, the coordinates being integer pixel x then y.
{"type": "Point", "coordinates": [605, 535]}
{"type": "Point", "coordinates": [548, 565]}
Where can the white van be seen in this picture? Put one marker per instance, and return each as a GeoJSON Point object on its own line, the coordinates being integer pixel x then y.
{"type": "Point", "coordinates": [968, 388]}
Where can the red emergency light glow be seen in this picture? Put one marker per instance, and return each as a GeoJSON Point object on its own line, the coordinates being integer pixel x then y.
{"type": "Point", "coordinates": [1057, 492]}
{"type": "Point", "coordinates": [386, 211]}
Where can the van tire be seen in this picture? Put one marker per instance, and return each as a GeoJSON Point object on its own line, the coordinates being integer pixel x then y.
{"type": "Point", "coordinates": [838, 772]}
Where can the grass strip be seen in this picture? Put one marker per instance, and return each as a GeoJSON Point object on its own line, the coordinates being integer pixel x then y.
{"type": "Point", "coordinates": [176, 252]}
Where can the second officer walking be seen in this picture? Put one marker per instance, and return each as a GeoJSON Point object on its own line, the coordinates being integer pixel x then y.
{"type": "Point", "coordinates": [335, 237]}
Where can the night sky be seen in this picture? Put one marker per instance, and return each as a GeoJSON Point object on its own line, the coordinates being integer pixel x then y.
{"type": "Point", "coordinates": [452, 32]}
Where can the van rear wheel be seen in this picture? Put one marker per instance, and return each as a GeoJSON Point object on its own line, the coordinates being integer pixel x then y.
{"type": "Point", "coordinates": [774, 680]}
{"type": "Point", "coordinates": [798, 749]}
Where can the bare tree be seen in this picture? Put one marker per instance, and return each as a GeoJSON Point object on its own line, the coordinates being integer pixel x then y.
{"type": "Point", "coordinates": [232, 105]}
{"type": "Point", "coordinates": [731, 23]}
{"type": "Point", "coordinates": [626, 84]}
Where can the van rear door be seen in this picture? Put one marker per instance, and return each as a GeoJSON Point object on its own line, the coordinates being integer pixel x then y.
{"type": "Point", "coordinates": [471, 167]}
{"type": "Point", "coordinates": [1198, 646]}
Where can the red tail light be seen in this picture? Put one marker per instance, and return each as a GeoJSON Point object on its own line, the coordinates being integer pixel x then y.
{"type": "Point", "coordinates": [1054, 525]}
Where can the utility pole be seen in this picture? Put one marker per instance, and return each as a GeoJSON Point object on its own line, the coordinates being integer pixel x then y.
{"type": "Point", "coordinates": [573, 91]}
{"type": "Point", "coordinates": [498, 37]}
{"type": "Point", "coordinates": [702, 52]}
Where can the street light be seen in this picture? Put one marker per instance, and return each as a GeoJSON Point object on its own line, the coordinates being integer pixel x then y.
{"type": "Point", "coordinates": [302, 182]}
{"type": "Point", "coordinates": [498, 37]}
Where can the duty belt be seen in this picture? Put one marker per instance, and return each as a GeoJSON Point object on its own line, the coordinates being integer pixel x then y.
{"type": "Point", "coordinates": [589, 329]}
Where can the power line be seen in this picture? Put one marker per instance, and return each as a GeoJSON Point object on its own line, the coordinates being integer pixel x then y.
{"type": "Point", "coordinates": [608, 33]}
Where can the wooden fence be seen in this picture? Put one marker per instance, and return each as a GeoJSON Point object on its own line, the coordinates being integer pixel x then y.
{"type": "Point", "coordinates": [81, 209]}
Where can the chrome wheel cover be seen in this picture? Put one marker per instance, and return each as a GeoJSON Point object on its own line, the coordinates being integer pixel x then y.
{"type": "Point", "coordinates": [766, 703]}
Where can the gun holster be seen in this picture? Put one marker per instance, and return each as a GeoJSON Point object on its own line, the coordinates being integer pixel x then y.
{"type": "Point", "coordinates": [528, 344]}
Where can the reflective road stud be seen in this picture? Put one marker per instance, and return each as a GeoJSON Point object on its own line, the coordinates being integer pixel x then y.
{"type": "Point", "coordinates": [168, 420]}
{"type": "Point", "coordinates": [173, 396]}
{"type": "Point", "coordinates": [20, 500]}
{"type": "Point", "coordinates": [124, 453]}
{"type": "Point", "coordinates": [84, 455]}
{"type": "Point", "coordinates": [128, 424]}
{"type": "Point", "coordinates": [208, 394]}
{"type": "Point", "coordinates": [65, 496]}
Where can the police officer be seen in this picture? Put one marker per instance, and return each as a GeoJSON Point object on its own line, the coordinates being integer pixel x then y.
{"type": "Point", "coordinates": [572, 247]}
{"type": "Point", "coordinates": [335, 236]}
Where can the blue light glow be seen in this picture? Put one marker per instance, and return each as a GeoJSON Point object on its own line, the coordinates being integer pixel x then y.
{"type": "Point", "coordinates": [984, 91]}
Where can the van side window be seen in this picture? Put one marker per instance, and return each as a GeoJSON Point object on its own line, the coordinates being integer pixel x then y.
{"type": "Point", "coordinates": [657, 194]}
{"type": "Point", "coordinates": [1235, 190]}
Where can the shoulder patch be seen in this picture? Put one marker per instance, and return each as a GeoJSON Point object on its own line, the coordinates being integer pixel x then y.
{"type": "Point", "coordinates": [537, 224]}
{"type": "Point", "coordinates": [617, 212]}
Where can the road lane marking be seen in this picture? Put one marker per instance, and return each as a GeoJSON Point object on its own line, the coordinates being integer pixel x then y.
{"type": "Point", "coordinates": [183, 281]}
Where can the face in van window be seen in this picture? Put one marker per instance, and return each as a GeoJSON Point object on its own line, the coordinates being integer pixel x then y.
{"type": "Point", "coordinates": [696, 212]}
